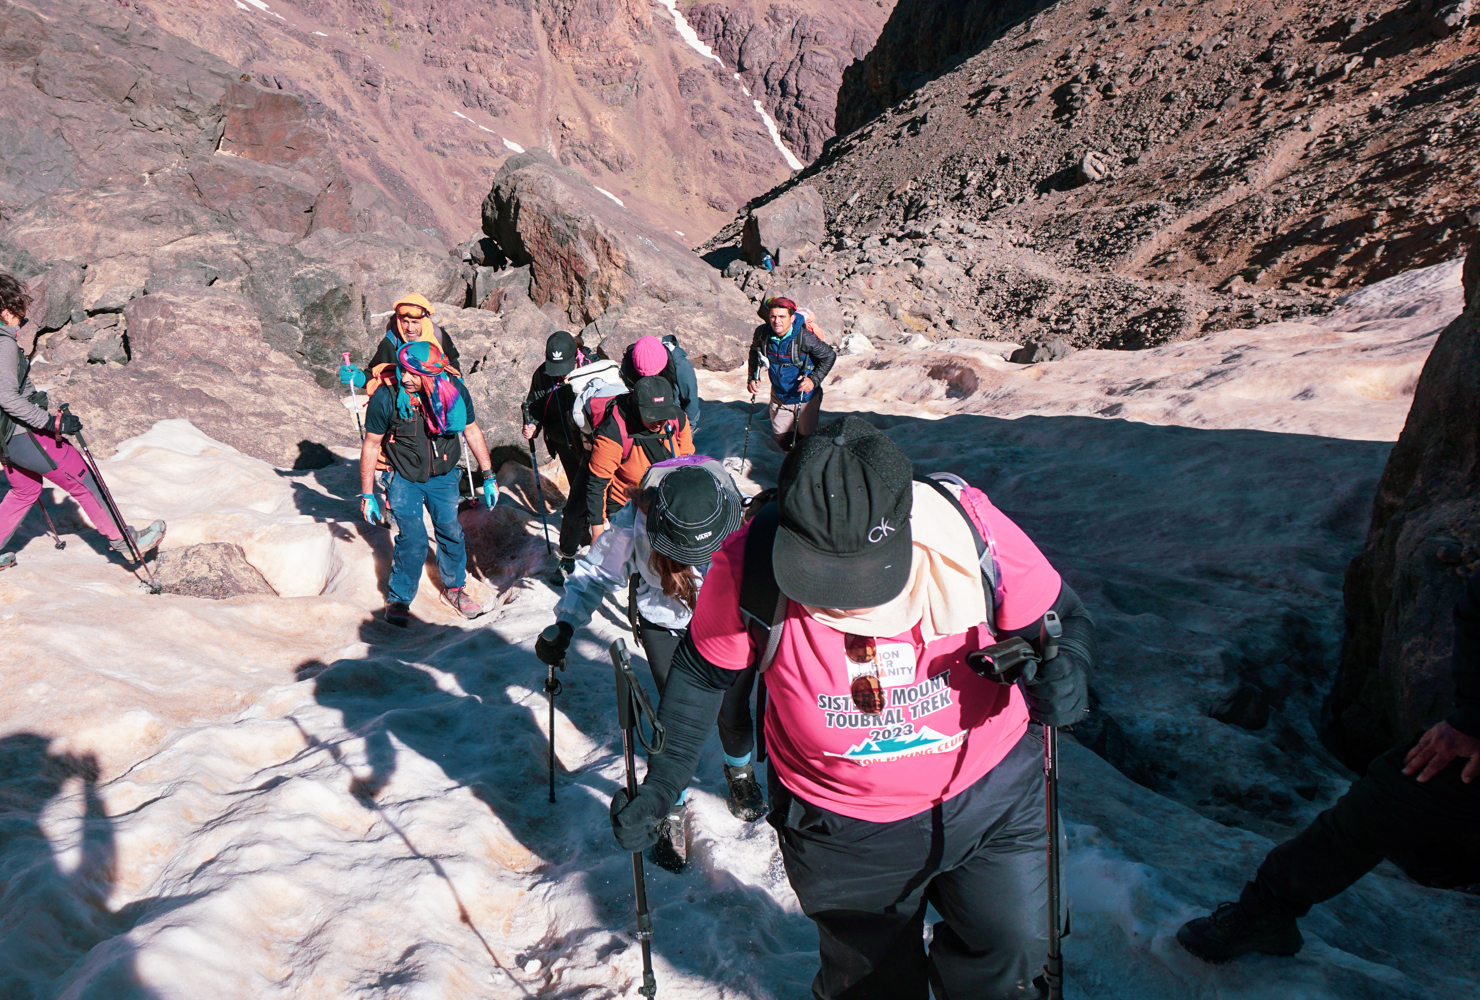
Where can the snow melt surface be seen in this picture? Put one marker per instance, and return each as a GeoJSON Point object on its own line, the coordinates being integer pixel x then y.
{"type": "Point", "coordinates": [285, 797]}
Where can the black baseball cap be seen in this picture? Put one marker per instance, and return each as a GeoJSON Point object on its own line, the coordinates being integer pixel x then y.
{"type": "Point", "coordinates": [843, 539]}
{"type": "Point", "coordinates": [560, 354]}
{"type": "Point", "coordinates": [655, 399]}
{"type": "Point", "coordinates": [692, 514]}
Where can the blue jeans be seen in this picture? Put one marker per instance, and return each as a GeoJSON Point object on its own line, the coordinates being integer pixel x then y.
{"type": "Point", "coordinates": [439, 495]}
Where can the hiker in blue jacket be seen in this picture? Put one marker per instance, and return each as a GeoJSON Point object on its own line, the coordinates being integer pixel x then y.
{"type": "Point", "coordinates": [798, 361]}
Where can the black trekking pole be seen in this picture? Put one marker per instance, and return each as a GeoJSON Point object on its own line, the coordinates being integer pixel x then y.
{"type": "Point", "coordinates": [539, 487]}
{"type": "Point", "coordinates": [55, 537]}
{"type": "Point", "coordinates": [1058, 929]}
{"type": "Point", "coordinates": [1005, 662]}
{"type": "Point", "coordinates": [133, 545]}
{"type": "Point", "coordinates": [746, 450]}
{"type": "Point", "coordinates": [632, 703]}
{"type": "Point", "coordinates": [552, 688]}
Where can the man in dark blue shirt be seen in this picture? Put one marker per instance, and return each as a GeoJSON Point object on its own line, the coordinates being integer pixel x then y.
{"type": "Point", "coordinates": [798, 361]}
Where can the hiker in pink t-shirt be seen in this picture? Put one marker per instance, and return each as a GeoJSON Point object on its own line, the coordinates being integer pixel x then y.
{"type": "Point", "coordinates": [899, 775]}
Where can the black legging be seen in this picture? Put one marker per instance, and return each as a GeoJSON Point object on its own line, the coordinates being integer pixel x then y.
{"type": "Point", "coordinates": [736, 730]}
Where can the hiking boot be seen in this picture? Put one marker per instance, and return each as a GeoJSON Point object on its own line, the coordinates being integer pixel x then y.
{"type": "Point", "coordinates": [458, 599]}
{"type": "Point", "coordinates": [567, 565]}
{"type": "Point", "coordinates": [397, 614]}
{"type": "Point", "coordinates": [146, 540]}
{"type": "Point", "coordinates": [7, 560]}
{"type": "Point", "coordinates": [672, 849]}
{"type": "Point", "coordinates": [1235, 929]}
{"type": "Point", "coordinates": [747, 802]}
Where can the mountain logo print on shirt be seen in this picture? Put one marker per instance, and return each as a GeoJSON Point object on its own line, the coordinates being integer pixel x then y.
{"type": "Point", "coordinates": [874, 751]}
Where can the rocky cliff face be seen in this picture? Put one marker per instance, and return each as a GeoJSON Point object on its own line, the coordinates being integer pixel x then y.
{"type": "Point", "coordinates": [1124, 174]}
{"type": "Point", "coordinates": [1424, 541]}
{"type": "Point", "coordinates": [793, 56]}
{"type": "Point", "coordinates": [425, 100]}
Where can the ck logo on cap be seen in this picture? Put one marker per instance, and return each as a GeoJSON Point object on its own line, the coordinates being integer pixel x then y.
{"type": "Point", "coordinates": [882, 531]}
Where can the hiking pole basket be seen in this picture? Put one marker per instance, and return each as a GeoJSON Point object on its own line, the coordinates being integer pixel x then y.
{"type": "Point", "coordinates": [50, 524]}
{"type": "Point", "coordinates": [113, 512]}
{"type": "Point", "coordinates": [632, 704]}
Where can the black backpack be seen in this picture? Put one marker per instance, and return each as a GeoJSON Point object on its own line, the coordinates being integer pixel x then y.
{"type": "Point", "coordinates": [763, 606]}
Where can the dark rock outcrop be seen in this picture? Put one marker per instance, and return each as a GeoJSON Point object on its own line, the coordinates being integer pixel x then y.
{"type": "Point", "coordinates": [1424, 540]}
{"type": "Point", "coordinates": [785, 227]}
{"type": "Point", "coordinates": [213, 570]}
{"type": "Point", "coordinates": [607, 270]}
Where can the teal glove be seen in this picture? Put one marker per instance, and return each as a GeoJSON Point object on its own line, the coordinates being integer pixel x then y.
{"type": "Point", "coordinates": [350, 375]}
{"type": "Point", "coordinates": [370, 509]}
{"type": "Point", "coordinates": [490, 489]}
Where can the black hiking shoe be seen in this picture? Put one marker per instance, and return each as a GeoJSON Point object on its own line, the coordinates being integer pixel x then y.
{"type": "Point", "coordinates": [567, 565]}
{"type": "Point", "coordinates": [672, 849]}
{"type": "Point", "coordinates": [397, 614]}
{"type": "Point", "coordinates": [1235, 929]}
{"type": "Point", "coordinates": [747, 802]}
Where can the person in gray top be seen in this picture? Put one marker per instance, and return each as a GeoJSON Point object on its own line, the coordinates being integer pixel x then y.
{"type": "Point", "coordinates": [32, 447]}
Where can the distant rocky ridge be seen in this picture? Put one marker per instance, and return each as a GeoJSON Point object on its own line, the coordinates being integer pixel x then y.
{"type": "Point", "coordinates": [1126, 174]}
{"type": "Point", "coordinates": [793, 56]}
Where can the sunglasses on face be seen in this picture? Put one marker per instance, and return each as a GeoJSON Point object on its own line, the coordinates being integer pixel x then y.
{"type": "Point", "coordinates": [412, 313]}
{"type": "Point", "coordinates": [866, 689]}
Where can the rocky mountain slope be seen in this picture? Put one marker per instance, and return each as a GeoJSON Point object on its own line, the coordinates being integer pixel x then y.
{"type": "Point", "coordinates": [1124, 174]}
{"type": "Point", "coordinates": [206, 242]}
{"type": "Point", "coordinates": [425, 99]}
{"type": "Point", "coordinates": [792, 56]}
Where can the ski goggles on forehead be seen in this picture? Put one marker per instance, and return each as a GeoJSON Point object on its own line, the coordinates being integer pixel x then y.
{"type": "Point", "coordinates": [865, 687]}
{"type": "Point", "coordinates": [411, 312]}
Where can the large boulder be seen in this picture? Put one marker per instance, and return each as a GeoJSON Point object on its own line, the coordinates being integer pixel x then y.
{"type": "Point", "coordinates": [587, 254]}
{"type": "Point", "coordinates": [207, 324]}
{"type": "Point", "coordinates": [785, 227]}
{"type": "Point", "coordinates": [387, 268]}
{"type": "Point", "coordinates": [499, 352]}
{"type": "Point", "coordinates": [713, 338]}
{"type": "Point", "coordinates": [273, 411]}
{"type": "Point", "coordinates": [1423, 541]}
{"type": "Point", "coordinates": [213, 570]}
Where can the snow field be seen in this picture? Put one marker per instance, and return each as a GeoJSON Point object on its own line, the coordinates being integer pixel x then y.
{"type": "Point", "coordinates": [285, 797]}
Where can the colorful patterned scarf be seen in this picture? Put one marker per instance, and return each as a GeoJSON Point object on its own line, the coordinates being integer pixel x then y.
{"type": "Point", "coordinates": [442, 404]}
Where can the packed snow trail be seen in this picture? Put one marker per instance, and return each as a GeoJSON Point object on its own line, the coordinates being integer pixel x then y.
{"type": "Point", "coordinates": [285, 797]}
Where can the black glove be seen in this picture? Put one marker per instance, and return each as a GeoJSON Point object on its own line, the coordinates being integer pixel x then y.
{"type": "Point", "coordinates": [1058, 693]}
{"type": "Point", "coordinates": [67, 423]}
{"type": "Point", "coordinates": [550, 647]}
{"type": "Point", "coordinates": [635, 822]}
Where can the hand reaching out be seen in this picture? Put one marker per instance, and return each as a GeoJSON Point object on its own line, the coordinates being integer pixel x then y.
{"type": "Point", "coordinates": [1437, 748]}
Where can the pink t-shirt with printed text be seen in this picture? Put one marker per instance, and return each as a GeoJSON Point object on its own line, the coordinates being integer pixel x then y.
{"type": "Point", "coordinates": [943, 726]}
